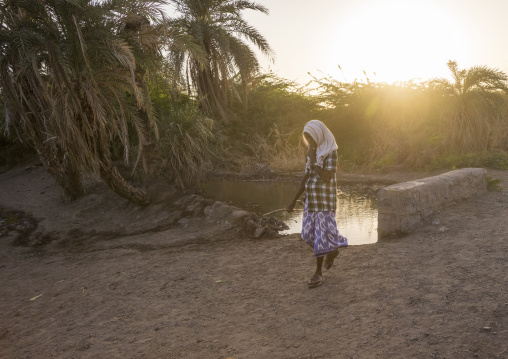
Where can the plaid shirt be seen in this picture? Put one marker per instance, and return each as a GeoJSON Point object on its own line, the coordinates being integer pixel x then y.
{"type": "Point", "coordinates": [321, 196]}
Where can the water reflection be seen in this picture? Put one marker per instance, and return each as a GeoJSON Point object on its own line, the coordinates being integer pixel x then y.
{"type": "Point", "coordinates": [356, 206]}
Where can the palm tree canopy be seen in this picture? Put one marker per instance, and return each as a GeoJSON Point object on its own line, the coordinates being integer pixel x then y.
{"type": "Point", "coordinates": [205, 19]}
{"type": "Point", "coordinates": [476, 97]}
{"type": "Point", "coordinates": [481, 78]}
{"type": "Point", "coordinates": [68, 75]}
{"type": "Point", "coordinates": [219, 29]}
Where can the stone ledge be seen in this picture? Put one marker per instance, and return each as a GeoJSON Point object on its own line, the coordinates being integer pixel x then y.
{"type": "Point", "coordinates": [403, 207]}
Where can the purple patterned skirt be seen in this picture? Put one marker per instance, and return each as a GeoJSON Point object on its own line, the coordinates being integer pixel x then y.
{"type": "Point", "coordinates": [319, 230]}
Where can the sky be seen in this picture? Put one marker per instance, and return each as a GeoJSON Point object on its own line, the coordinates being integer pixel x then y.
{"type": "Point", "coordinates": [389, 40]}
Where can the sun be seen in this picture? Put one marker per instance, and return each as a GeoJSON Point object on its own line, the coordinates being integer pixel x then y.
{"type": "Point", "coordinates": [397, 40]}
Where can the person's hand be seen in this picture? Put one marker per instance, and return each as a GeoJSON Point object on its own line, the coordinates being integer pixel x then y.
{"type": "Point", "coordinates": [291, 206]}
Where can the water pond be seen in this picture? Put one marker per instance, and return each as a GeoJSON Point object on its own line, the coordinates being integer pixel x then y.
{"type": "Point", "coordinates": [356, 205]}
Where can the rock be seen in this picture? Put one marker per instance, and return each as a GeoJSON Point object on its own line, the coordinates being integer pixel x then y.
{"type": "Point", "coordinates": [258, 233]}
{"type": "Point", "coordinates": [207, 211]}
{"type": "Point", "coordinates": [237, 216]}
{"type": "Point", "coordinates": [196, 207]}
{"type": "Point", "coordinates": [185, 200]}
{"type": "Point", "coordinates": [183, 221]}
{"type": "Point", "coordinates": [217, 211]}
{"type": "Point", "coordinates": [250, 225]}
{"type": "Point", "coordinates": [83, 344]}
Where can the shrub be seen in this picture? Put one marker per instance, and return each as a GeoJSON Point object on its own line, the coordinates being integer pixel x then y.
{"type": "Point", "coordinates": [187, 144]}
{"type": "Point", "coordinates": [495, 160]}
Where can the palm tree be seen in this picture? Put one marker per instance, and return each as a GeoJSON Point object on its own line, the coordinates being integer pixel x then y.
{"type": "Point", "coordinates": [70, 85]}
{"type": "Point", "coordinates": [151, 39]}
{"type": "Point", "coordinates": [476, 102]}
{"type": "Point", "coordinates": [219, 29]}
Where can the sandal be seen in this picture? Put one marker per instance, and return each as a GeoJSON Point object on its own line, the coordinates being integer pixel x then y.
{"type": "Point", "coordinates": [329, 258]}
{"type": "Point", "coordinates": [314, 283]}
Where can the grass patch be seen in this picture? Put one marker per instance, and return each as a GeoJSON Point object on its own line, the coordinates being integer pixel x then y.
{"type": "Point", "coordinates": [494, 184]}
{"type": "Point", "coordinates": [495, 160]}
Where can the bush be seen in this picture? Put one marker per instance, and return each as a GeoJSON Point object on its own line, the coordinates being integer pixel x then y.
{"type": "Point", "coordinates": [12, 151]}
{"type": "Point", "coordinates": [187, 144]}
{"type": "Point", "coordinates": [494, 160]}
{"type": "Point", "coordinates": [494, 184]}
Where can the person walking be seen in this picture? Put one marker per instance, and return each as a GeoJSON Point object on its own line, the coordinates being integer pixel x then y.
{"type": "Point", "coordinates": [319, 227]}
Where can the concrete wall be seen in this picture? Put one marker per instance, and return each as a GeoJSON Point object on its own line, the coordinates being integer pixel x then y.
{"type": "Point", "coordinates": [403, 207]}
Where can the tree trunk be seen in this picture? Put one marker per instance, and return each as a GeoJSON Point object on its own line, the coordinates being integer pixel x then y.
{"type": "Point", "coordinates": [148, 146]}
{"type": "Point", "coordinates": [117, 183]}
{"type": "Point", "coordinates": [56, 162]}
{"type": "Point", "coordinates": [210, 97]}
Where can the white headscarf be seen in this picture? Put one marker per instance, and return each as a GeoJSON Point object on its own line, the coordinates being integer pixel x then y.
{"type": "Point", "coordinates": [324, 139]}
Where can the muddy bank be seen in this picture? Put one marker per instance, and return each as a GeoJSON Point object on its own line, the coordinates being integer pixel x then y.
{"type": "Point", "coordinates": [30, 195]}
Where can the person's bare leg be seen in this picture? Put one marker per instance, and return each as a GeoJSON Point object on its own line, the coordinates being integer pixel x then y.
{"type": "Point", "coordinates": [317, 278]}
{"type": "Point", "coordinates": [319, 265]}
{"type": "Point", "coordinates": [329, 258]}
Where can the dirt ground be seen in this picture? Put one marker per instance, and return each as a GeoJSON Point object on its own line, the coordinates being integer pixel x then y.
{"type": "Point", "coordinates": [100, 278]}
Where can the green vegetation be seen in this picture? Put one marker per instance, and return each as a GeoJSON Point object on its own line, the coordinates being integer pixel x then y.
{"type": "Point", "coordinates": [70, 81]}
{"type": "Point", "coordinates": [420, 125]}
{"type": "Point", "coordinates": [187, 144]}
{"type": "Point", "coordinates": [86, 84]}
{"type": "Point", "coordinates": [219, 30]}
{"type": "Point", "coordinates": [494, 184]}
{"type": "Point", "coordinates": [269, 130]}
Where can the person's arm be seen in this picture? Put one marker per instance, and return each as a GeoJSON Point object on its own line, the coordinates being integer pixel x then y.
{"type": "Point", "coordinates": [325, 175]}
{"type": "Point", "coordinates": [299, 192]}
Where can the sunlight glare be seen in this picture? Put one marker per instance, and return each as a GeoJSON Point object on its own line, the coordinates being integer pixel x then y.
{"type": "Point", "coordinates": [398, 40]}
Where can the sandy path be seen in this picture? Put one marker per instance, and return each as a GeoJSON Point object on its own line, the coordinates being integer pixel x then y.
{"type": "Point", "coordinates": [439, 293]}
